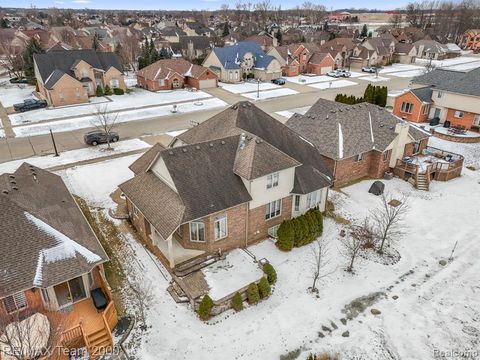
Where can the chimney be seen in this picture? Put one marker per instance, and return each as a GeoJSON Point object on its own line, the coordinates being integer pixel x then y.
{"type": "Point", "coordinates": [241, 144]}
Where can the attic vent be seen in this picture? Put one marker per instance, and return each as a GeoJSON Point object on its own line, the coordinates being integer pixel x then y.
{"type": "Point", "coordinates": [197, 147]}
{"type": "Point", "coordinates": [11, 176]}
{"type": "Point", "coordinates": [170, 152]}
{"type": "Point", "coordinates": [223, 142]}
{"type": "Point", "coordinates": [13, 182]}
{"type": "Point", "coordinates": [184, 150]}
{"type": "Point", "coordinates": [211, 144]}
{"type": "Point", "coordinates": [15, 188]}
{"type": "Point", "coordinates": [5, 191]}
{"type": "Point", "coordinates": [332, 111]}
{"type": "Point", "coordinates": [326, 117]}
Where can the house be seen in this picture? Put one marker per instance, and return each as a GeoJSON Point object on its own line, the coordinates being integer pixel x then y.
{"type": "Point", "coordinates": [70, 76]}
{"type": "Point", "coordinates": [359, 140]}
{"type": "Point", "coordinates": [383, 45]}
{"type": "Point", "coordinates": [470, 40]}
{"type": "Point", "coordinates": [171, 74]}
{"type": "Point", "coordinates": [172, 34]}
{"type": "Point", "coordinates": [224, 184]}
{"type": "Point", "coordinates": [414, 105]}
{"type": "Point", "coordinates": [51, 261]}
{"type": "Point", "coordinates": [361, 57]}
{"type": "Point", "coordinates": [234, 63]}
{"type": "Point", "coordinates": [455, 97]}
{"type": "Point", "coordinates": [405, 53]}
{"type": "Point", "coordinates": [430, 49]}
{"type": "Point", "coordinates": [320, 63]}
{"type": "Point", "coordinates": [192, 47]}
{"type": "Point", "coordinates": [266, 41]}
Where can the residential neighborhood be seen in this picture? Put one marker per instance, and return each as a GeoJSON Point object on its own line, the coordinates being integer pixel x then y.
{"type": "Point", "coordinates": [252, 180]}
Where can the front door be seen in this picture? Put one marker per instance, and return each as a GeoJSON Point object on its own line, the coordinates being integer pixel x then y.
{"type": "Point", "coordinates": [436, 113]}
{"type": "Point", "coordinates": [476, 120]}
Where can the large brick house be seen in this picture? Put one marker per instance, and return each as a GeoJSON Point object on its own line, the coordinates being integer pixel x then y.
{"type": "Point", "coordinates": [470, 40]}
{"type": "Point", "coordinates": [67, 77]}
{"type": "Point", "coordinates": [226, 183]}
{"type": "Point", "coordinates": [357, 141]}
{"type": "Point", "coordinates": [171, 74]}
{"type": "Point", "coordinates": [452, 96]}
{"type": "Point", "coordinates": [51, 262]}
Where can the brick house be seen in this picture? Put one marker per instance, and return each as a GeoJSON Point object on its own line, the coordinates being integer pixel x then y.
{"type": "Point", "coordinates": [414, 105]}
{"type": "Point", "coordinates": [67, 77]}
{"type": "Point", "coordinates": [171, 74]}
{"type": "Point", "coordinates": [470, 40]}
{"type": "Point", "coordinates": [226, 183]}
{"type": "Point", "coordinates": [51, 262]}
{"type": "Point", "coordinates": [454, 97]}
{"type": "Point", "coordinates": [357, 141]}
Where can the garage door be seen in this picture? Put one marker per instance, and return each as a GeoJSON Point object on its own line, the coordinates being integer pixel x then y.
{"type": "Point", "coordinates": [325, 69]}
{"type": "Point", "coordinates": [209, 83]}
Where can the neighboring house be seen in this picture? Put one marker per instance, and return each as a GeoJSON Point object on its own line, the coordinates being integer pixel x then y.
{"type": "Point", "coordinates": [266, 41]}
{"type": "Point", "coordinates": [414, 105]}
{"type": "Point", "coordinates": [320, 63]}
{"type": "Point", "coordinates": [70, 76]}
{"type": "Point", "coordinates": [171, 74]}
{"type": "Point", "coordinates": [192, 47]}
{"type": "Point", "coordinates": [359, 140]}
{"type": "Point", "coordinates": [196, 29]}
{"type": "Point", "coordinates": [470, 40]}
{"type": "Point", "coordinates": [224, 184]}
{"type": "Point", "coordinates": [405, 53]}
{"type": "Point", "coordinates": [172, 34]}
{"type": "Point", "coordinates": [383, 45]}
{"type": "Point", "coordinates": [361, 56]}
{"type": "Point", "coordinates": [51, 259]}
{"type": "Point", "coordinates": [246, 58]}
{"type": "Point", "coordinates": [430, 49]}
{"type": "Point", "coordinates": [455, 96]}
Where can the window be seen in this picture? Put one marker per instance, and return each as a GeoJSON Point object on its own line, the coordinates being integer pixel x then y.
{"type": "Point", "coordinates": [62, 96]}
{"type": "Point", "coordinates": [440, 95]}
{"type": "Point", "coordinates": [70, 292]}
{"type": "Point", "coordinates": [77, 93]}
{"type": "Point", "coordinates": [297, 203]}
{"type": "Point", "coordinates": [90, 279]}
{"type": "Point", "coordinates": [313, 198]}
{"type": "Point", "coordinates": [220, 227]}
{"type": "Point", "coordinates": [161, 82]}
{"type": "Point", "coordinates": [175, 83]}
{"type": "Point", "coordinates": [358, 157]}
{"type": "Point", "coordinates": [114, 83]}
{"type": "Point", "coordinates": [84, 73]}
{"type": "Point", "coordinates": [385, 155]}
{"type": "Point", "coordinates": [273, 231]}
{"type": "Point", "coordinates": [45, 296]}
{"type": "Point", "coordinates": [406, 107]}
{"type": "Point", "coordinates": [416, 147]}
{"type": "Point", "coordinates": [197, 231]}
{"type": "Point", "coordinates": [136, 212]}
{"type": "Point", "coordinates": [15, 302]}
{"type": "Point", "coordinates": [458, 114]}
{"type": "Point", "coordinates": [425, 109]}
{"type": "Point", "coordinates": [272, 180]}
{"type": "Point", "coordinates": [273, 209]}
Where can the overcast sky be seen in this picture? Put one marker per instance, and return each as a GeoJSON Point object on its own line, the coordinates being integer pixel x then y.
{"type": "Point", "coordinates": [190, 4]}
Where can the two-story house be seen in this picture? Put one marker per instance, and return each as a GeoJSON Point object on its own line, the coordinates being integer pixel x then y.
{"type": "Point", "coordinates": [233, 63]}
{"type": "Point", "coordinates": [51, 262]}
{"type": "Point", "coordinates": [67, 77]}
{"type": "Point", "coordinates": [226, 183]}
{"type": "Point", "coordinates": [452, 96]}
{"type": "Point", "coordinates": [470, 40]}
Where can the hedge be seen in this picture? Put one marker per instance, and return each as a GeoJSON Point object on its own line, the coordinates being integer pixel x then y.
{"type": "Point", "coordinates": [205, 308]}
{"type": "Point", "coordinates": [253, 296]}
{"type": "Point", "coordinates": [118, 91]}
{"type": "Point", "coordinates": [108, 91]}
{"type": "Point", "coordinates": [99, 91]}
{"type": "Point", "coordinates": [264, 288]}
{"type": "Point", "coordinates": [285, 236]}
{"type": "Point", "coordinates": [270, 272]}
{"type": "Point", "coordinates": [300, 231]}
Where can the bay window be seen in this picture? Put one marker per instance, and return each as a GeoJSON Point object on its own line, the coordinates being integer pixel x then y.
{"type": "Point", "coordinates": [313, 199]}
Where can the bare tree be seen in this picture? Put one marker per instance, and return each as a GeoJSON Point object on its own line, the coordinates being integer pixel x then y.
{"type": "Point", "coordinates": [11, 53]}
{"type": "Point", "coordinates": [106, 122]}
{"type": "Point", "coordinates": [350, 249]}
{"type": "Point", "coordinates": [388, 219]}
{"type": "Point", "coordinates": [320, 262]}
{"type": "Point", "coordinates": [143, 291]}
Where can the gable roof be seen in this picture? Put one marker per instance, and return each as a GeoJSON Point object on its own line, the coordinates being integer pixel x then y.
{"type": "Point", "coordinates": [318, 57]}
{"type": "Point", "coordinates": [424, 94]}
{"type": "Point", "coordinates": [164, 69]}
{"type": "Point", "coordinates": [44, 237]}
{"type": "Point", "coordinates": [63, 61]}
{"type": "Point", "coordinates": [467, 83]}
{"type": "Point", "coordinates": [244, 117]}
{"type": "Point", "coordinates": [341, 131]}
{"type": "Point", "coordinates": [231, 56]}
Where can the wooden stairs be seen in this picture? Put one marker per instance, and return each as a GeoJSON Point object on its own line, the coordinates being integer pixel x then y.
{"type": "Point", "coordinates": [422, 181]}
{"type": "Point", "coordinates": [100, 342]}
{"type": "Point", "coordinates": [191, 266]}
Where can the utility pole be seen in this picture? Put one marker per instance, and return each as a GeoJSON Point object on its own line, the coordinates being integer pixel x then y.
{"type": "Point", "coordinates": [53, 141]}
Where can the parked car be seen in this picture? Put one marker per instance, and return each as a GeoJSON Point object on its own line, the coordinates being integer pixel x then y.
{"type": "Point", "coordinates": [30, 104]}
{"type": "Point", "coordinates": [334, 73]}
{"type": "Point", "coordinates": [96, 137]}
{"type": "Point", "coordinates": [344, 73]}
{"type": "Point", "coordinates": [279, 81]}
{"type": "Point", "coordinates": [369, 69]}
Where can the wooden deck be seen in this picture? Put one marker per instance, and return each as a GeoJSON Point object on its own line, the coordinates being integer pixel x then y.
{"type": "Point", "coordinates": [84, 313]}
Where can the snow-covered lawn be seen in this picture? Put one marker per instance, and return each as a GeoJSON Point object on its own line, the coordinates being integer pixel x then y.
{"type": "Point", "coordinates": [138, 98]}
{"type": "Point", "coordinates": [289, 113]}
{"type": "Point", "coordinates": [407, 74]}
{"type": "Point", "coordinates": [305, 80]}
{"type": "Point", "coordinates": [399, 67]}
{"type": "Point", "coordinates": [471, 152]}
{"type": "Point", "coordinates": [270, 94]}
{"type": "Point", "coordinates": [246, 87]}
{"type": "Point", "coordinates": [15, 93]}
{"type": "Point", "coordinates": [124, 116]}
{"type": "Point", "coordinates": [354, 74]}
{"type": "Point", "coordinates": [373, 78]}
{"type": "Point", "coordinates": [73, 156]}
{"type": "Point", "coordinates": [446, 131]}
{"type": "Point", "coordinates": [235, 272]}
{"type": "Point", "coordinates": [333, 85]}
{"type": "Point", "coordinates": [449, 62]}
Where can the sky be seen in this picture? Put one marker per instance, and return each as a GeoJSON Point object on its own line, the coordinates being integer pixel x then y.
{"type": "Point", "coordinates": [190, 4]}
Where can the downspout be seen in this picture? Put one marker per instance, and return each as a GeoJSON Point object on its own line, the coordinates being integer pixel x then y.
{"type": "Point", "coordinates": [246, 223]}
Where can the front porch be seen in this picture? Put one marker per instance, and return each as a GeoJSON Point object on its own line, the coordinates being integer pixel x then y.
{"type": "Point", "coordinates": [431, 164]}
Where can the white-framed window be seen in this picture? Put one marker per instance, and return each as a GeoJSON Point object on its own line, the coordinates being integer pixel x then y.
{"type": "Point", "coordinates": [136, 212]}
{"type": "Point", "coordinates": [272, 180]}
{"type": "Point", "coordinates": [425, 109]}
{"type": "Point", "coordinates": [440, 94]}
{"type": "Point", "coordinates": [220, 227]}
{"type": "Point", "coordinates": [273, 209]}
{"type": "Point", "coordinates": [197, 231]}
{"type": "Point", "coordinates": [161, 82]}
{"type": "Point", "coordinates": [15, 302]}
{"type": "Point", "coordinates": [476, 120]}
{"type": "Point", "coordinates": [114, 83]}
{"type": "Point", "coordinates": [416, 148]}
{"type": "Point", "coordinates": [272, 231]}
{"type": "Point", "coordinates": [458, 114]}
{"type": "Point", "coordinates": [359, 157]}
{"type": "Point", "coordinates": [406, 107]}
{"type": "Point", "coordinates": [84, 73]}
{"type": "Point", "coordinates": [45, 295]}
{"type": "Point", "coordinates": [77, 93]}
{"type": "Point", "coordinates": [313, 199]}
{"type": "Point", "coordinates": [297, 203]}
{"type": "Point", "coordinates": [175, 83]}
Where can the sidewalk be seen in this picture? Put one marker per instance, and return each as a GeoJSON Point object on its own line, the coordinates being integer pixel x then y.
{"type": "Point", "coordinates": [7, 126]}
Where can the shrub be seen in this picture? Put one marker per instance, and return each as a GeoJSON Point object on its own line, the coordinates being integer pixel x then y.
{"type": "Point", "coordinates": [99, 91]}
{"type": "Point", "coordinates": [108, 91]}
{"type": "Point", "coordinates": [299, 232]}
{"type": "Point", "coordinates": [264, 288]}
{"type": "Point", "coordinates": [118, 91]}
{"type": "Point", "coordinates": [285, 236]}
{"type": "Point", "coordinates": [253, 296]}
{"type": "Point", "coordinates": [270, 272]}
{"type": "Point", "coordinates": [205, 308]}
{"type": "Point", "coordinates": [237, 302]}
{"type": "Point", "coordinates": [319, 221]}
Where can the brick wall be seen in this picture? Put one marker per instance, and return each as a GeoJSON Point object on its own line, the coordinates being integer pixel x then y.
{"type": "Point", "coordinates": [67, 91]}
{"type": "Point", "coordinates": [34, 301]}
{"type": "Point", "coordinates": [457, 138]}
{"type": "Point", "coordinates": [409, 148]}
{"type": "Point", "coordinates": [416, 115]}
{"type": "Point", "coordinates": [466, 121]}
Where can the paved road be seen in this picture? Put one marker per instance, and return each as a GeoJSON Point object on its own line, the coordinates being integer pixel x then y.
{"type": "Point", "coordinates": [17, 148]}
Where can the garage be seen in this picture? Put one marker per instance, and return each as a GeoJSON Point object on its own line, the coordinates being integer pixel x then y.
{"type": "Point", "coordinates": [207, 83]}
{"type": "Point", "coordinates": [326, 69]}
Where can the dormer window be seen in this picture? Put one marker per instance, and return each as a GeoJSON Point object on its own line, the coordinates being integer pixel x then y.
{"type": "Point", "coordinates": [272, 180]}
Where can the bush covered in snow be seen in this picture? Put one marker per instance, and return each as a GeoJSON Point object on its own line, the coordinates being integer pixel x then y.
{"type": "Point", "coordinates": [323, 356]}
{"type": "Point", "coordinates": [237, 302]}
{"type": "Point", "coordinates": [264, 288]}
{"type": "Point", "coordinates": [301, 230]}
{"type": "Point", "coordinates": [253, 296]}
{"type": "Point", "coordinates": [205, 308]}
{"type": "Point", "coordinates": [269, 270]}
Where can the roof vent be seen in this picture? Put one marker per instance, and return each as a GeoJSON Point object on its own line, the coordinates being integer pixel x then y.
{"type": "Point", "coordinates": [13, 182]}
{"type": "Point", "coordinates": [211, 144]}
{"type": "Point", "coordinates": [5, 191]}
{"type": "Point", "coordinates": [15, 188]}
{"type": "Point", "coordinates": [222, 142]}
{"type": "Point", "coordinates": [244, 105]}
{"type": "Point", "coordinates": [197, 147]}
{"type": "Point", "coordinates": [332, 111]}
{"type": "Point", "coordinates": [11, 176]}
{"type": "Point", "coordinates": [170, 152]}
{"type": "Point", "coordinates": [184, 150]}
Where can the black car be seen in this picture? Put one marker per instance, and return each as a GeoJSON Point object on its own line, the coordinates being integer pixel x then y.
{"type": "Point", "coordinates": [278, 81]}
{"type": "Point", "coordinates": [99, 137]}
{"type": "Point", "coordinates": [30, 104]}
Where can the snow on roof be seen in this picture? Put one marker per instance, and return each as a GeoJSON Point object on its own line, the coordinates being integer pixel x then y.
{"type": "Point", "coordinates": [340, 141]}
{"type": "Point", "coordinates": [371, 128]}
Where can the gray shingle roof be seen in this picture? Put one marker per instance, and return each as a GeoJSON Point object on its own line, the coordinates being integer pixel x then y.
{"type": "Point", "coordinates": [342, 131]}
{"type": "Point", "coordinates": [231, 56]}
{"type": "Point", "coordinates": [423, 94]}
{"type": "Point", "coordinates": [454, 81]}
{"type": "Point", "coordinates": [44, 237]}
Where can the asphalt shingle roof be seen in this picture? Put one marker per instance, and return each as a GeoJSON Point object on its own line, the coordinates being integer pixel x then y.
{"type": "Point", "coordinates": [231, 56]}
{"type": "Point", "coordinates": [467, 83]}
{"type": "Point", "coordinates": [423, 94]}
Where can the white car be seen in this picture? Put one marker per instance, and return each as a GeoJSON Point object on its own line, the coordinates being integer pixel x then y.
{"type": "Point", "coordinates": [334, 73]}
{"type": "Point", "coordinates": [344, 73]}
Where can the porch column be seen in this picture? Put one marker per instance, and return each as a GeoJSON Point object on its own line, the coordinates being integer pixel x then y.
{"type": "Point", "coordinates": [170, 252]}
